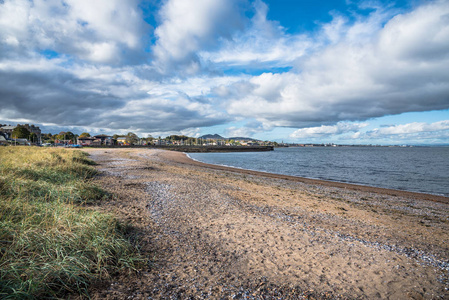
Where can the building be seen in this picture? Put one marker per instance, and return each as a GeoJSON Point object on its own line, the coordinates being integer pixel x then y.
{"type": "Point", "coordinates": [97, 140]}
{"type": "Point", "coordinates": [3, 140]}
{"type": "Point", "coordinates": [34, 129]}
{"type": "Point", "coordinates": [159, 142]}
{"type": "Point", "coordinates": [103, 139]}
{"type": "Point", "coordinates": [85, 141]}
{"type": "Point", "coordinates": [8, 129]}
{"type": "Point", "coordinates": [121, 140]}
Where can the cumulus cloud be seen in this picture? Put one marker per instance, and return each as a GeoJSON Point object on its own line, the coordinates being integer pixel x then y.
{"type": "Point", "coordinates": [100, 65]}
{"type": "Point", "coordinates": [248, 130]}
{"type": "Point", "coordinates": [64, 64]}
{"type": "Point", "coordinates": [349, 80]}
{"type": "Point", "coordinates": [262, 44]}
{"type": "Point", "coordinates": [189, 26]}
{"type": "Point", "coordinates": [193, 132]}
{"type": "Point", "coordinates": [160, 114]}
{"type": "Point", "coordinates": [327, 131]}
{"type": "Point", "coordinates": [414, 132]}
{"type": "Point", "coordinates": [96, 31]}
{"type": "Point", "coordinates": [56, 97]}
{"type": "Point", "coordinates": [419, 130]}
{"type": "Point", "coordinates": [104, 97]}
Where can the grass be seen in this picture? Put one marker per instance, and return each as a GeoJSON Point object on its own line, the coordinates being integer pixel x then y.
{"type": "Point", "coordinates": [51, 244]}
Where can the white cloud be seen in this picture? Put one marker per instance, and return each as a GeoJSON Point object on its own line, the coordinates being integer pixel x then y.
{"type": "Point", "coordinates": [414, 132]}
{"type": "Point", "coordinates": [248, 130]}
{"type": "Point", "coordinates": [327, 131]}
{"type": "Point", "coordinates": [190, 25]}
{"type": "Point", "coordinates": [84, 63]}
{"type": "Point", "coordinates": [111, 20]}
{"type": "Point", "coordinates": [419, 36]}
{"type": "Point", "coordinates": [239, 132]}
{"type": "Point", "coordinates": [410, 129]}
{"type": "Point", "coordinates": [351, 80]}
{"type": "Point", "coordinates": [263, 42]}
{"type": "Point", "coordinates": [100, 52]}
{"type": "Point", "coordinates": [193, 132]}
{"type": "Point", "coordinates": [88, 30]}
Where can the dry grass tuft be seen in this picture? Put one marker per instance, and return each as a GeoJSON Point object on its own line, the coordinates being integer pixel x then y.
{"type": "Point", "coordinates": [51, 245]}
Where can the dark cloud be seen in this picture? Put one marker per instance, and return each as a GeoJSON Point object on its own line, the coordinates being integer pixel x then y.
{"type": "Point", "coordinates": [66, 100]}
{"type": "Point", "coordinates": [52, 97]}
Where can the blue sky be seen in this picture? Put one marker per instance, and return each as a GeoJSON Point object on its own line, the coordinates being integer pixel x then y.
{"type": "Point", "coordinates": [343, 71]}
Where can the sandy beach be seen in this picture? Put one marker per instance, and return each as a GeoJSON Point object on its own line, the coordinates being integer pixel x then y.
{"type": "Point", "coordinates": [213, 232]}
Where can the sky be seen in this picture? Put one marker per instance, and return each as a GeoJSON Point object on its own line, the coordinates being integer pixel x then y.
{"type": "Point", "coordinates": [341, 71]}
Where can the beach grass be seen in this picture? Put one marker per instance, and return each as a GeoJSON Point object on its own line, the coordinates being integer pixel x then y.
{"type": "Point", "coordinates": [51, 242]}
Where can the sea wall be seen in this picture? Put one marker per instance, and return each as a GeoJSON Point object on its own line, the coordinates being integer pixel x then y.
{"type": "Point", "coordinates": [197, 149]}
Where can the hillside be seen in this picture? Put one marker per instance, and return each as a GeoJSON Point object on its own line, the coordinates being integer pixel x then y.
{"type": "Point", "coordinates": [219, 137]}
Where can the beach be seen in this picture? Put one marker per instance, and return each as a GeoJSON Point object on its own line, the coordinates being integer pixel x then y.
{"type": "Point", "coordinates": [212, 232]}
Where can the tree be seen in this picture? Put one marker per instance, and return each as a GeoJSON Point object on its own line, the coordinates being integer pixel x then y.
{"type": "Point", "coordinates": [64, 136]}
{"type": "Point", "coordinates": [33, 137]}
{"type": "Point", "coordinates": [132, 138]}
{"type": "Point", "coordinates": [70, 136]}
{"type": "Point", "coordinates": [84, 134]}
{"type": "Point", "coordinates": [61, 136]}
{"type": "Point", "coordinates": [20, 132]}
{"type": "Point", "coordinates": [47, 138]}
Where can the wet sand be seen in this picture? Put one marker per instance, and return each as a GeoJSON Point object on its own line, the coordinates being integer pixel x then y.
{"type": "Point", "coordinates": [214, 232]}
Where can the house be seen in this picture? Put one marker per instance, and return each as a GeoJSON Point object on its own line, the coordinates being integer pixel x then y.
{"type": "Point", "coordinates": [3, 140]}
{"type": "Point", "coordinates": [8, 129]}
{"type": "Point", "coordinates": [103, 139]}
{"type": "Point", "coordinates": [85, 141]}
{"type": "Point", "coordinates": [121, 140]}
{"type": "Point", "coordinates": [160, 142]}
{"type": "Point", "coordinates": [97, 140]}
{"type": "Point", "coordinates": [34, 129]}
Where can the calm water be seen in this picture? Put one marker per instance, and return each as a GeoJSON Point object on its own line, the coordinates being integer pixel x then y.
{"type": "Point", "coordinates": [417, 169]}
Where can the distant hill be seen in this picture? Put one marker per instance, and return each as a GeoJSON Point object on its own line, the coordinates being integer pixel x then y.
{"type": "Point", "coordinates": [212, 137]}
{"type": "Point", "coordinates": [219, 137]}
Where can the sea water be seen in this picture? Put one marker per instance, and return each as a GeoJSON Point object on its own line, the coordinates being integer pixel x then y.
{"type": "Point", "coordinates": [416, 169]}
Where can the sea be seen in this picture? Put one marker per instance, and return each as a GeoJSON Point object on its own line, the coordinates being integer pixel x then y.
{"type": "Point", "coordinates": [416, 169]}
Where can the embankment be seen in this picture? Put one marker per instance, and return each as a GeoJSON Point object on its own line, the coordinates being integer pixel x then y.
{"type": "Point", "coordinates": [193, 149]}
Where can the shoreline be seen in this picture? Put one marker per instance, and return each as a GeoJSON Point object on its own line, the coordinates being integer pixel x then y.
{"type": "Point", "coordinates": [183, 158]}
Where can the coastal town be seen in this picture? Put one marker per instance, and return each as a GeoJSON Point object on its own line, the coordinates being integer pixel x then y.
{"type": "Point", "coordinates": [31, 135]}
